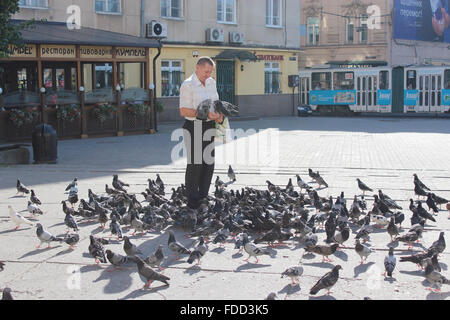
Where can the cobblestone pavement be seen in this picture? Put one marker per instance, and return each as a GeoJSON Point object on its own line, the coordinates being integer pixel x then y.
{"type": "Point", "coordinates": [384, 153]}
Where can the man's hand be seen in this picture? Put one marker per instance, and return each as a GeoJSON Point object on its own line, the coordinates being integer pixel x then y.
{"type": "Point", "coordinates": [214, 116]}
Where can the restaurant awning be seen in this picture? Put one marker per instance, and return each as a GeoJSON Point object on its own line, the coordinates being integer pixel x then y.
{"type": "Point", "coordinates": [59, 33]}
{"type": "Point", "coordinates": [237, 54]}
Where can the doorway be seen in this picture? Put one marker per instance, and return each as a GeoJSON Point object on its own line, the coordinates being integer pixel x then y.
{"type": "Point", "coordinates": [225, 80]}
{"type": "Point", "coordinates": [59, 76]}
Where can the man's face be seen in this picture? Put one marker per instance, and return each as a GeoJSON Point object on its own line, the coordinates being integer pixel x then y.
{"type": "Point", "coordinates": [204, 72]}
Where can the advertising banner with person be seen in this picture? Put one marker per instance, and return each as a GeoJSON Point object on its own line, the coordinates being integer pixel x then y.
{"type": "Point", "coordinates": [332, 97]}
{"type": "Point", "coordinates": [423, 20]}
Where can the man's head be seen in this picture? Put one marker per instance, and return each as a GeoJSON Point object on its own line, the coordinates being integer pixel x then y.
{"type": "Point", "coordinates": [204, 69]}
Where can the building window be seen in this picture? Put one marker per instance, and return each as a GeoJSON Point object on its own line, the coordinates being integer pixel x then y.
{"type": "Point", "coordinates": [313, 30]}
{"type": "Point", "coordinates": [131, 75]}
{"type": "Point", "coordinates": [226, 11]}
{"type": "Point", "coordinates": [273, 13]}
{"type": "Point", "coordinates": [350, 31]}
{"type": "Point", "coordinates": [33, 3]}
{"type": "Point", "coordinates": [272, 78]}
{"type": "Point", "coordinates": [108, 6]}
{"type": "Point", "coordinates": [172, 8]}
{"type": "Point", "coordinates": [171, 78]}
{"type": "Point", "coordinates": [363, 29]}
{"type": "Point", "coordinates": [97, 76]}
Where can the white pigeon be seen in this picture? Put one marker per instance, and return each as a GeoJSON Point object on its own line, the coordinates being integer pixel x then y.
{"type": "Point", "coordinates": [34, 209]}
{"type": "Point", "coordinates": [253, 250]}
{"type": "Point", "coordinates": [379, 220]}
{"type": "Point", "coordinates": [17, 218]}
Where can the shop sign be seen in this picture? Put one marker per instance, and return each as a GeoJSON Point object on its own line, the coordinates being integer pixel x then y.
{"type": "Point", "coordinates": [57, 51]}
{"type": "Point", "coordinates": [95, 52]}
{"type": "Point", "coordinates": [130, 53]}
{"type": "Point", "coordinates": [270, 57]}
{"type": "Point", "coordinates": [28, 51]}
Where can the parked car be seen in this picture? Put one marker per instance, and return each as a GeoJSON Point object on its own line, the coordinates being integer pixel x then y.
{"type": "Point", "coordinates": [304, 110]}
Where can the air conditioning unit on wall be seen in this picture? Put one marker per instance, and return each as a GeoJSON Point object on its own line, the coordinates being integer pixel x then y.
{"type": "Point", "coordinates": [236, 37]}
{"type": "Point", "coordinates": [214, 35]}
{"type": "Point", "coordinates": [156, 29]}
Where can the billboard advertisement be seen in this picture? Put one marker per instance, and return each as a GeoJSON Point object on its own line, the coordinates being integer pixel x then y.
{"type": "Point", "coordinates": [423, 20]}
{"type": "Point", "coordinates": [332, 97]}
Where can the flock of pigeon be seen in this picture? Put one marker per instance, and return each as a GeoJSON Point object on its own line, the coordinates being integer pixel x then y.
{"type": "Point", "coordinates": [246, 217]}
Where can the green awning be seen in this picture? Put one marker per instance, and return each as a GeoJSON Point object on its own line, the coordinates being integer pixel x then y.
{"type": "Point", "coordinates": [237, 54]}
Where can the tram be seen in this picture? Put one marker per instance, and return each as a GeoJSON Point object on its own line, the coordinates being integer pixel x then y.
{"type": "Point", "coordinates": [378, 89]}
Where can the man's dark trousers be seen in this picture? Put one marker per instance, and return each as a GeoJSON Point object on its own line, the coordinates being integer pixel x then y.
{"type": "Point", "coordinates": [200, 169]}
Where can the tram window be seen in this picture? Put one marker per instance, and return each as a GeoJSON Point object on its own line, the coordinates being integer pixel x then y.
{"type": "Point", "coordinates": [384, 80]}
{"type": "Point", "coordinates": [344, 80]}
{"type": "Point", "coordinates": [421, 83]}
{"type": "Point", "coordinates": [411, 83]}
{"type": "Point", "coordinates": [439, 84]}
{"type": "Point", "coordinates": [321, 80]}
{"type": "Point", "coordinates": [359, 83]}
{"type": "Point", "coordinates": [433, 83]}
{"type": "Point", "coordinates": [447, 79]}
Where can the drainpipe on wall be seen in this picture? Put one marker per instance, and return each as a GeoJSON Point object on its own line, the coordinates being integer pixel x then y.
{"type": "Point", "coordinates": [143, 18]}
{"type": "Point", "coordinates": [155, 123]}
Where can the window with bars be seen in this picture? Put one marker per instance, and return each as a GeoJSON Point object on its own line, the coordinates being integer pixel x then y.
{"type": "Point", "coordinates": [108, 6]}
{"type": "Point", "coordinates": [226, 11]}
{"type": "Point", "coordinates": [172, 8]}
{"type": "Point", "coordinates": [273, 13]}
{"type": "Point", "coordinates": [33, 3]}
{"type": "Point", "coordinates": [313, 28]}
{"type": "Point", "coordinates": [272, 78]}
{"type": "Point", "coordinates": [171, 78]}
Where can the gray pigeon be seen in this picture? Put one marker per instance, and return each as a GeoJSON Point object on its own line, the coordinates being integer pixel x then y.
{"type": "Point", "coordinates": [34, 209]}
{"type": "Point", "coordinates": [253, 250]}
{"type": "Point", "coordinates": [70, 223]}
{"type": "Point", "coordinates": [294, 273]}
{"type": "Point", "coordinates": [389, 263]}
{"type": "Point", "coordinates": [21, 188]}
{"type": "Point", "coordinates": [176, 247]}
{"type": "Point", "coordinates": [434, 277]}
{"type": "Point", "coordinates": [149, 274]}
{"type": "Point", "coordinates": [7, 294]}
{"type": "Point", "coordinates": [231, 174]}
{"type": "Point", "coordinates": [45, 236]}
{"type": "Point", "coordinates": [72, 240]}
{"type": "Point", "coordinates": [72, 185]}
{"type": "Point", "coordinates": [96, 250]}
{"type": "Point", "coordinates": [327, 281]}
{"type": "Point", "coordinates": [363, 187]}
{"type": "Point", "coordinates": [392, 229]}
{"type": "Point", "coordinates": [198, 252]}
{"type": "Point", "coordinates": [34, 199]}
{"type": "Point", "coordinates": [156, 258]}
{"type": "Point", "coordinates": [130, 248]}
{"type": "Point", "coordinates": [2, 265]}
{"type": "Point", "coordinates": [362, 250]}
{"type": "Point", "coordinates": [116, 259]}
{"type": "Point", "coordinates": [439, 245]}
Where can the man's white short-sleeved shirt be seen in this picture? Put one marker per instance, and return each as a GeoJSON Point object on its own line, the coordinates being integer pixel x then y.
{"type": "Point", "coordinates": [193, 92]}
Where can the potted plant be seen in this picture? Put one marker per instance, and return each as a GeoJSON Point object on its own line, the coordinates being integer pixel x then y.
{"type": "Point", "coordinates": [23, 116]}
{"type": "Point", "coordinates": [138, 109]}
{"type": "Point", "coordinates": [104, 111]}
{"type": "Point", "coordinates": [68, 112]}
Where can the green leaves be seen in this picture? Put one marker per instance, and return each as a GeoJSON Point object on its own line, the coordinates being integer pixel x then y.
{"type": "Point", "coordinates": [23, 116]}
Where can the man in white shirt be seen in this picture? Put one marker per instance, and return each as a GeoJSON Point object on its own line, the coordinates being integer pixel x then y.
{"type": "Point", "coordinates": [198, 134]}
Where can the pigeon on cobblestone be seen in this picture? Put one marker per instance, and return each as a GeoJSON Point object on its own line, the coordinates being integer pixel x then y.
{"type": "Point", "coordinates": [389, 263]}
{"type": "Point", "coordinates": [176, 247]}
{"type": "Point", "coordinates": [119, 185]}
{"type": "Point", "coordinates": [116, 259]}
{"type": "Point", "coordinates": [149, 274]}
{"type": "Point", "coordinates": [362, 250]}
{"type": "Point", "coordinates": [96, 250]}
{"type": "Point", "coordinates": [115, 228]}
{"type": "Point", "coordinates": [294, 273]}
{"type": "Point", "coordinates": [363, 187]}
{"type": "Point", "coordinates": [6, 295]}
{"type": "Point", "coordinates": [420, 183]}
{"type": "Point", "coordinates": [198, 252]}
{"type": "Point", "coordinates": [17, 218]}
{"type": "Point", "coordinates": [72, 239]}
{"type": "Point", "coordinates": [417, 258]}
{"type": "Point", "coordinates": [33, 209]}
{"type": "Point", "coordinates": [73, 184]}
{"type": "Point", "coordinates": [45, 236]}
{"type": "Point", "coordinates": [34, 198]}
{"type": "Point", "coordinates": [156, 258]}
{"type": "Point", "coordinates": [392, 229]}
{"type": "Point", "coordinates": [419, 191]}
{"type": "Point", "coordinates": [302, 184]}
{"type": "Point", "coordinates": [439, 245]}
{"type": "Point", "coordinates": [21, 188]}
{"type": "Point", "coordinates": [130, 248]}
{"type": "Point", "coordinates": [231, 174]}
{"type": "Point", "coordinates": [439, 200]}
{"type": "Point", "coordinates": [434, 277]}
{"type": "Point", "coordinates": [409, 238]}
{"type": "Point", "coordinates": [70, 223]}
{"type": "Point", "coordinates": [431, 203]}
{"type": "Point", "coordinates": [424, 213]}
{"type": "Point", "coordinates": [253, 250]}
{"type": "Point", "coordinates": [2, 265]}
{"type": "Point", "coordinates": [323, 250]}
{"type": "Point", "coordinates": [327, 281]}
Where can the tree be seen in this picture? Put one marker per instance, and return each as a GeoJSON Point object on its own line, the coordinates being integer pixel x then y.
{"type": "Point", "coordinates": [10, 32]}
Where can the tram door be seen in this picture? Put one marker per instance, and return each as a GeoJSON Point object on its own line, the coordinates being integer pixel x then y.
{"type": "Point", "coordinates": [304, 91]}
{"type": "Point", "coordinates": [430, 87]}
{"type": "Point", "coordinates": [367, 93]}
